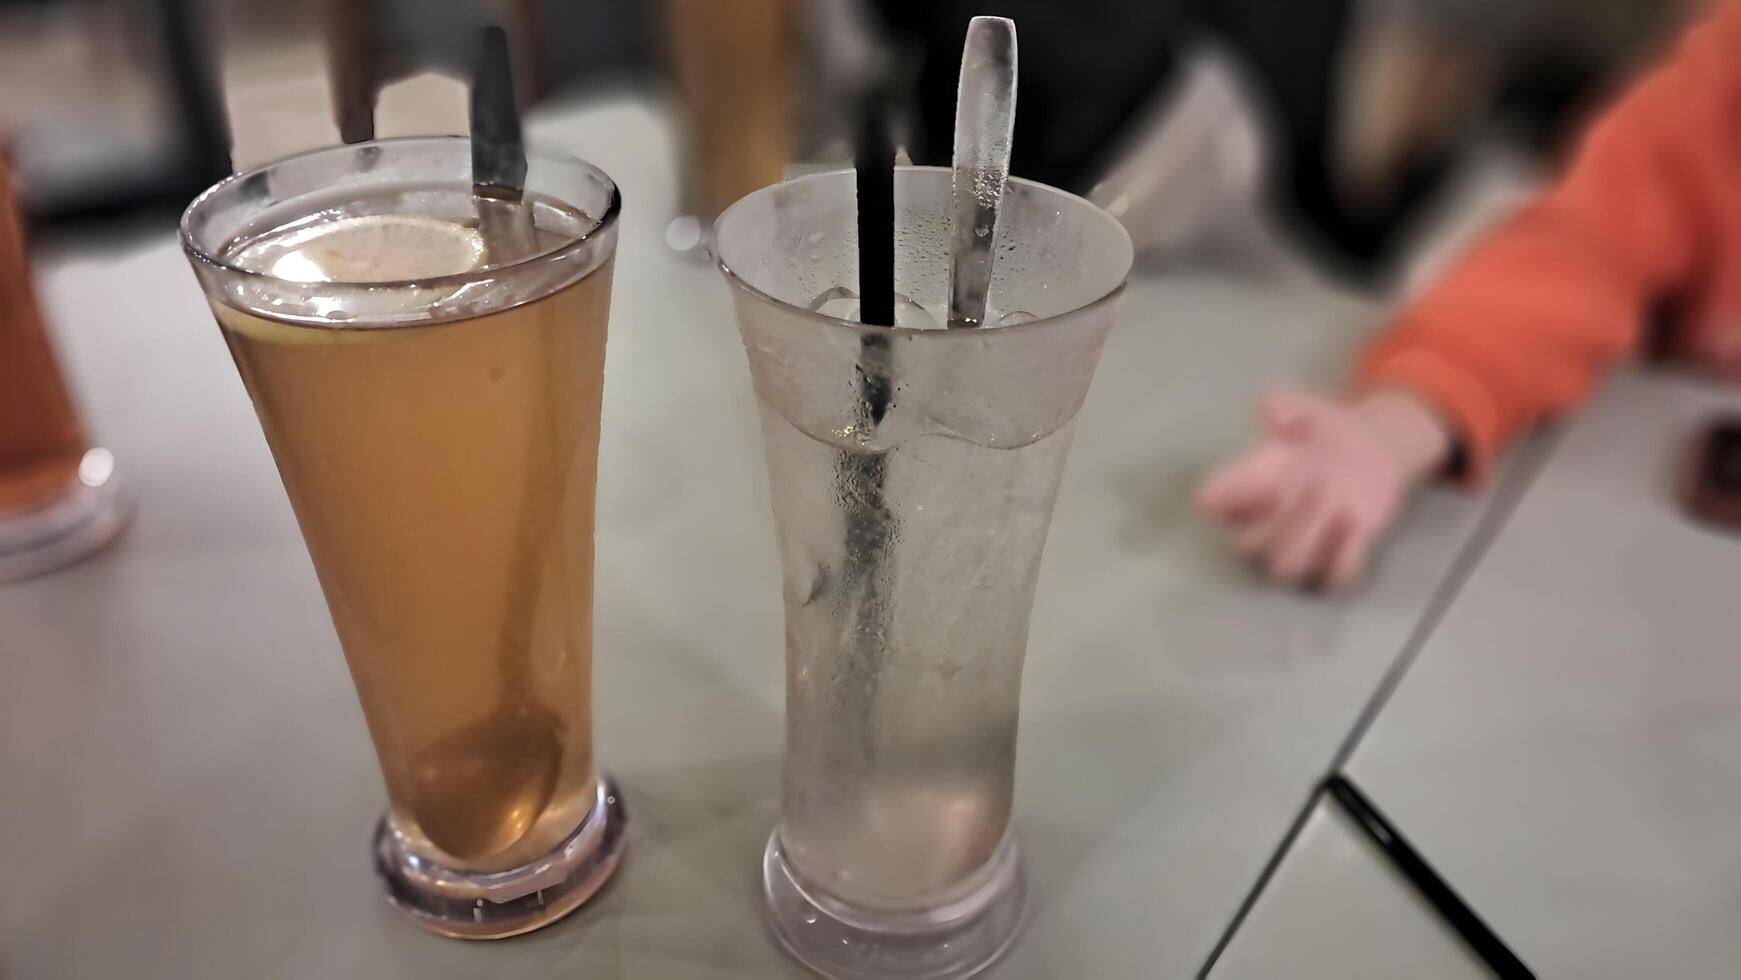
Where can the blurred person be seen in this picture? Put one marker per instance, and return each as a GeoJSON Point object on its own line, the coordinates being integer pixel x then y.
{"type": "Point", "coordinates": [764, 83]}
{"type": "Point", "coordinates": [1419, 77]}
{"type": "Point", "coordinates": [1645, 219]}
{"type": "Point", "coordinates": [1339, 120]}
{"type": "Point", "coordinates": [1198, 122]}
{"type": "Point", "coordinates": [1103, 82]}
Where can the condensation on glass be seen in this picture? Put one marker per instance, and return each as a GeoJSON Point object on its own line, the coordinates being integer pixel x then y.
{"type": "Point", "coordinates": [913, 472]}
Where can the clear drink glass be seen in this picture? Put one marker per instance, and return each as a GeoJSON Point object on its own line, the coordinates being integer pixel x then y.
{"type": "Point", "coordinates": [913, 471]}
{"type": "Point", "coordinates": [59, 498]}
{"type": "Point", "coordinates": [438, 440]}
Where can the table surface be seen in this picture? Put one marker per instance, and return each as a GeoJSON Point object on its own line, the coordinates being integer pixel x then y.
{"type": "Point", "coordinates": [189, 789]}
{"type": "Point", "coordinates": [1563, 751]}
{"type": "Point", "coordinates": [1335, 910]}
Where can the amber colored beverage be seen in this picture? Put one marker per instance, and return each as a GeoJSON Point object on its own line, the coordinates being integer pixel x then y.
{"type": "Point", "coordinates": [40, 439]}
{"type": "Point", "coordinates": [426, 358]}
{"type": "Point", "coordinates": [443, 476]}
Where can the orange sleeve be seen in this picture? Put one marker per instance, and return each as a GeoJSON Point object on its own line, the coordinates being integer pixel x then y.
{"type": "Point", "coordinates": [1523, 326]}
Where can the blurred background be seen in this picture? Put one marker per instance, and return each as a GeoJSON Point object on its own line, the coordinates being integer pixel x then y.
{"type": "Point", "coordinates": [1231, 129]}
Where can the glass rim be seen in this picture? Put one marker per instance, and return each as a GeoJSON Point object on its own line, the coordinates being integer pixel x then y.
{"type": "Point", "coordinates": [204, 256]}
{"type": "Point", "coordinates": [1111, 295]}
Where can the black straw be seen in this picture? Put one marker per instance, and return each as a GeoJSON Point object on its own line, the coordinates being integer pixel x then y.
{"type": "Point", "coordinates": [862, 476]}
{"type": "Point", "coordinates": [874, 160]}
{"type": "Point", "coordinates": [1409, 863]}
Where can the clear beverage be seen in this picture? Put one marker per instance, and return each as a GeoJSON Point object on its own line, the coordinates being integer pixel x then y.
{"type": "Point", "coordinates": [899, 789]}
{"type": "Point", "coordinates": [427, 365]}
{"type": "Point", "coordinates": [913, 471]}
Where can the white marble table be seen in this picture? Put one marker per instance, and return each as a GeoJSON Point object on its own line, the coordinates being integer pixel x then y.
{"type": "Point", "coordinates": [186, 788]}
{"type": "Point", "coordinates": [1566, 751]}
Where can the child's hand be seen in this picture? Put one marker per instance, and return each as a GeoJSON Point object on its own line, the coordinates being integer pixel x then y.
{"type": "Point", "coordinates": [1317, 494]}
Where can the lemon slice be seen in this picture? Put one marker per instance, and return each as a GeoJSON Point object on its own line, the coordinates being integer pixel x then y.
{"type": "Point", "coordinates": [368, 249]}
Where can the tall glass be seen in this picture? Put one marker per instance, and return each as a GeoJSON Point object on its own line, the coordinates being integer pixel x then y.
{"type": "Point", "coordinates": [913, 471]}
{"type": "Point", "coordinates": [438, 439]}
{"type": "Point", "coordinates": [59, 499]}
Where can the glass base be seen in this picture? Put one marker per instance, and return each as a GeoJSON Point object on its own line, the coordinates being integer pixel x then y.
{"type": "Point", "coordinates": [89, 514]}
{"type": "Point", "coordinates": [956, 940]}
{"type": "Point", "coordinates": [499, 904]}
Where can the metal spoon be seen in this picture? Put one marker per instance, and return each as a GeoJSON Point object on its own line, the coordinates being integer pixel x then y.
{"type": "Point", "coordinates": [499, 156]}
{"type": "Point", "coordinates": [479, 789]}
{"type": "Point", "coordinates": [985, 120]}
